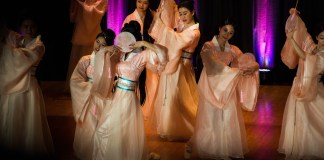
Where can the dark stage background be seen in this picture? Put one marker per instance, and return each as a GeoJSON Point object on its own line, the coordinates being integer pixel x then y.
{"type": "Point", "coordinates": [56, 29]}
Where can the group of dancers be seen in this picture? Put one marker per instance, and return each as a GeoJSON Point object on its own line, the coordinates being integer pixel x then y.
{"type": "Point", "coordinates": [104, 86]}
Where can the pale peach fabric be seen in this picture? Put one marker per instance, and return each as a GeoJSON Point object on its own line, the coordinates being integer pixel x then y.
{"type": "Point", "coordinates": [220, 130]}
{"type": "Point", "coordinates": [136, 17]}
{"type": "Point", "coordinates": [248, 86]}
{"type": "Point", "coordinates": [91, 88]}
{"type": "Point", "coordinates": [24, 128]}
{"type": "Point", "coordinates": [152, 79]}
{"type": "Point", "coordinates": [120, 132]}
{"type": "Point", "coordinates": [302, 132]}
{"type": "Point", "coordinates": [302, 38]}
{"type": "Point", "coordinates": [176, 101]}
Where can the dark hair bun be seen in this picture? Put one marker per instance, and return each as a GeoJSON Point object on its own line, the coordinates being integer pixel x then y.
{"type": "Point", "coordinates": [134, 28]}
{"type": "Point", "coordinates": [109, 36]}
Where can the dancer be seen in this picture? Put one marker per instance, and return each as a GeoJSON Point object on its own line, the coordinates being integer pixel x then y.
{"type": "Point", "coordinates": [143, 14]}
{"type": "Point", "coordinates": [24, 130]}
{"type": "Point", "coordinates": [229, 81]}
{"type": "Point", "coordinates": [148, 80]}
{"type": "Point", "coordinates": [177, 96]}
{"type": "Point", "coordinates": [87, 104]}
{"type": "Point", "coordinates": [86, 16]}
{"type": "Point", "coordinates": [302, 133]}
{"type": "Point", "coordinates": [120, 132]}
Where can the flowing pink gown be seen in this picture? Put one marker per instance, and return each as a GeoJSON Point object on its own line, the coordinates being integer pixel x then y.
{"type": "Point", "coordinates": [23, 122]}
{"type": "Point", "coordinates": [120, 131]}
{"type": "Point", "coordinates": [176, 102]}
{"type": "Point", "coordinates": [223, 92]}
{"type": "Point", "coordinates": [152, 78]}
{"type": "Point", "coordinates": [87, 101]}
{"type": "Point", "coordinates": [302, 132]}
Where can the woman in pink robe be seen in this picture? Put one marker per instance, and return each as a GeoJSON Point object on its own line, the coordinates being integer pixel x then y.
{"type": "Point", "coordinates": [148, 80]}
{"type": "Point", "coordinates": [176, 101]}
{"type": "Point", "coordinates": [229, 81]}
{"type": "Point", "coordinates": [86, 16]}
{"type": "Point", "coordinates": [302, 133]}
{"type": "Point", "coordinates": [87, 104]}
{"type": "Point", "coordinates": [120, 132]}
{"type": "Point", "coordinates": [24, 130]}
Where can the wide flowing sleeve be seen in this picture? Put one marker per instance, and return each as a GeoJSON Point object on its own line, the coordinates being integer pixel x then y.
{"type": "Point", "coordinates": [167, 11]}
{"type": "Point", "coordinates": [217, 82]}
{"type": "Point", "coordinates": [162, 30]}
{"type": "Point", "coordinates": [248, 85]}
{"type": "Point", "coordinates": [156, 61]}
{"type": "Point", "coordinates": [288, 54]}
{"type": "Point", "coordinates": [83, 91]}
{"type": "Point", "coordinates": [211, 63]}
{"type": "Point", "coordinates": [16, 62]}
{"type": "Point", "coordinates": [104, 73]}
{"type": "Point", "coordinates": [80, 88]}
{"type": "Point", "coordinates": [309, 79]}
{"type": "Point", "coordinates": [174, 41]}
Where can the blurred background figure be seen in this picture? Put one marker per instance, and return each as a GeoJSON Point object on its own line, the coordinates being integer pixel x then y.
{"type": "Point", "coordinates": [24, 130]}
{"type": "Point", "coordinates": [86, 16]}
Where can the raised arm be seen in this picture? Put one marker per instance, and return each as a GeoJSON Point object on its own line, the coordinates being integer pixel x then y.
{"type": "Point", "coordinates": [298, 50]}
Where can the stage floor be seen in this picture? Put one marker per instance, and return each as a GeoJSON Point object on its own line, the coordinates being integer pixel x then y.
{"type": "Point", "coordinates": [262, 126]}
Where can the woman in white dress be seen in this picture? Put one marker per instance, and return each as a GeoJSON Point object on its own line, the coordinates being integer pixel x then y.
{"type": "Point", "coordinates": [302, 132]}
{"type": "Point", "coordinates": [24, 130]}
{"type": "Point", "coordinates": [120, 132]}
{"type": "Point", "coordinates": [229, 82]}
{"type": "Point", "coordinates": [176, 101]}
{"type": "Point", "coordinates": [148, 80]}
{"type": "Point", "coordinates": [87, 104]}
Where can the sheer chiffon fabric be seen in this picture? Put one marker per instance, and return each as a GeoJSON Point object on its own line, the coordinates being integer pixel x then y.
{"type": "Point", "coordinates": [120, 131]}
{"type": "Point", "coordinates": [302, 133]}
{"type": "Point", "coordinates": [176, 101]}
{"type": "Point", "coordinates": [91, 87]}
{"type": "Point", "coordinates": [152, 78]}
{"type": "Point", "coordinates": [24, 129]}
{"type": "Point", "coordinates": [220, 130]}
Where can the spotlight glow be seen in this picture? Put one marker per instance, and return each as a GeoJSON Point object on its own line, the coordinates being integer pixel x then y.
{"type": "Point", "coordinates": [263, 32]}
{"type": "Point", "coordinates": [115, 15]}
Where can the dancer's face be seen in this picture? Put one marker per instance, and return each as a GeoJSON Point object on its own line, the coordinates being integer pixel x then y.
{"type": "Point", "coordinates": [226, 32]}
{"type": "Point", "coordinates": [99, 43]}
{"type": "Point", "coordinates": [320, 39]}
{"type": "Point", "coordinates": [28, 29]}
{"type": "Point", "coordinates": [142, 5]}
{"type": "Point", "coordinates": [186, 16]}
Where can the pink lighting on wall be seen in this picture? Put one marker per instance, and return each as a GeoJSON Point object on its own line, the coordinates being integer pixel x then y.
{"type": "Point", "coordinates": [263, 32]}
{"type": "Point", "coordinates": [115, 15]}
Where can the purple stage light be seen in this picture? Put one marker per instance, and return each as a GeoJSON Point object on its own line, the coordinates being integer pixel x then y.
{"type": "Point", "coordinates": [115, 15]}
{"type": "Point", "coordinates": [263, 32]}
